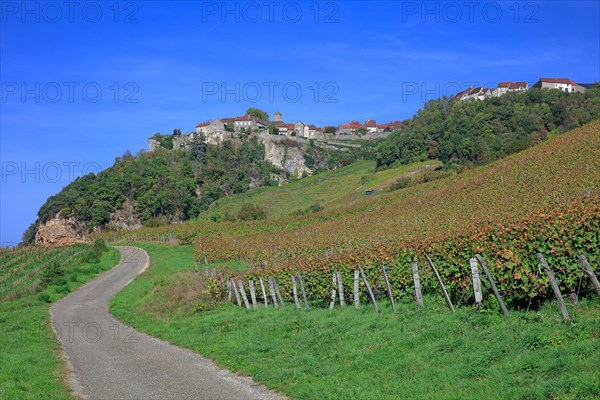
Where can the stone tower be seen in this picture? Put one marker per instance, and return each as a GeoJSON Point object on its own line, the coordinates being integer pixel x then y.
{"type": "Point", "coordinates": [277, 116]}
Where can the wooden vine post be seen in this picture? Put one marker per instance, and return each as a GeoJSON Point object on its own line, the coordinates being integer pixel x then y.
{"type": "Point", "coordinates": [252, 293]}
{"type": "Point", "coordinates": [264, 292]}
{"type": "Point", "coordinates": [362, 274]}
{"type": "Point", "coordinates": [439, 279]}
{"type": "Point", "coordinates": [332, 302]}
{"type": "Point", "coordinates": [295, 290]}
{"type": "Point", "coordinates": [338, 276]}
{"type": "Point", "coordinates": [272, 291]}
{"type": "Point", "coordinates": [389, 288]}
{"type": "Point", "coordinates": [418, 294]}
{"type": "Point", "coordinates": [303, 291]}
{"type": "Point", "coordinates": [278, 293]}
{"type": "Point", "coordinates": [229, 289]}
{"type": "Point", "coordinates": [585, 265]}
{"type": "Point", "coordinates": [488, 275]}
{"type": "Point", "coordinates": [553, 285]}
{"type": "Point", "coordinates": [476, 283]}
{"type": "Point", "coordinates": [356, 292]}
{"type": "Point", "coordinates": [243, 292]}
{"type": "Point", "coordinates": [237, 294]}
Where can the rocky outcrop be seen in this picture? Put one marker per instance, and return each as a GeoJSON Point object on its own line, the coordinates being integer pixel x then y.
{"type": "Point", "coordinates": [125, 218]}
{"type": "Point", "coordinates": [61, 231]}
{"type": "Point", "coordinates": [285, 153]}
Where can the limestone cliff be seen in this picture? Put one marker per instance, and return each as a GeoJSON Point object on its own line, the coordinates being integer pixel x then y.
{"type": "Point", "coordinates": [125, 218]}
{"type": "Point", "coordinates": [286, 153]}
{"type": "Point", "coordinates": [61, 231]}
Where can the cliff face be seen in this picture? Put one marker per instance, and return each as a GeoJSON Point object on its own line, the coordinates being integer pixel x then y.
{"type": "Point", "coordinates": [125, 218]}
{"type": "Point", "coordinates": [285, 153]}
{"type": "Point", "coordinates": [60, 231]}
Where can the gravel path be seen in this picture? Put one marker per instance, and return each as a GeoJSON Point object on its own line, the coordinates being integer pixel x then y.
{"type": "Point", "coordinates": [109, 360]}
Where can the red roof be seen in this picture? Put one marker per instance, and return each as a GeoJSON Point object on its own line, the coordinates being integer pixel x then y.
{"type": "Point", "coordinates": [504, 84]}
{"type": "Point", "coordinates": [371, 123]}
{"type": "Point", "coordinates": [207, 123]}
{"type": "Point", "coordinates": [565, 81]}
{"type": "Point", "coordinates": [390, 125]}
{"type": "Point", "coordinates": [463, 93]}
{"type": "Point", "coordinates": [518, 85]}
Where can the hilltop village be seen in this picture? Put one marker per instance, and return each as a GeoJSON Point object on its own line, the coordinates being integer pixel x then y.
{"type": "Point", "coordinates": [218, 130]}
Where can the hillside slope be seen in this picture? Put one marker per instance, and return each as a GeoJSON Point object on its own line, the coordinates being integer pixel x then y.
{"type": "Point", "coordinates": [343, 186]}
{"type": "Point", "coordinates": [543, 199]}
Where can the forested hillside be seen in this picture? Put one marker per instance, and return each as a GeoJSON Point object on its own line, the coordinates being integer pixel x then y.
{"type": "Point", "coordinates": [162, 186]}
{"type": "Point", "coordinates": [456, 132]}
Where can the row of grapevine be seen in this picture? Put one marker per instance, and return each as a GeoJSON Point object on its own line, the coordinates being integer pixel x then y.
{"type": "Point", "coordinates": [23, 277]}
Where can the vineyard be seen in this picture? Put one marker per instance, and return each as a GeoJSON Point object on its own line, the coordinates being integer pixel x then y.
{"type": "Point", "coordinates": [31, 278]}
{"type": "Point", "coordinates": [30, 269]}
{"type": "Point", "coordinates": [544, 199]}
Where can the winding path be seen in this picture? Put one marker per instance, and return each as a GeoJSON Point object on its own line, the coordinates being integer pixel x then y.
{"type": "Point", "coordinates": [109, 360]}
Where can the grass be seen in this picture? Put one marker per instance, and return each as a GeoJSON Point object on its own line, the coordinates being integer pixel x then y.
{"type": "Point", "coordinates": [30, 363]}
{"type": "Point", "coordinates": [330, 189]}
{"type": "Point", "coordinates": [416, 353]}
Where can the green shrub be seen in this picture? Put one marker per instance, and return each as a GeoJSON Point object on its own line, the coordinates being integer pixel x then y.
{"type": "Point", "coordinates": [53, 270]}
{"type": "Point", "coordinates": [251, 212]}
{"type": "Point", "coordinates": [401, 183]}
{"type": "Point", "coordinates": [309, 210]}
{"type": "Point", "coordinates": [63, 289]}
{"type": "Point", "coordinates": [153, 223]}
{"type": "Point", "coordinates": [90, 256]}
{"type": "Point", "coordinates": [44, 297]}
{"type": "Point", "coordinates": [100, 245]}
{"type": "Point", "coordinates": [59, 281]}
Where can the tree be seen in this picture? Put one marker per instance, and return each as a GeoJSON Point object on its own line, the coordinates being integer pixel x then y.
{"type": "Point", "coordinates": [258, 113]}
{"type": "Point", "coordinates": [273, 130]}
{"type": "Point", "coordinates": [198, 147]}
{"type": "Point", "coordinates": [176, 132]}
{"type": "Point", "coordinates": [229, 127]}
{"type": "Point", "coordinates": [329, 129]}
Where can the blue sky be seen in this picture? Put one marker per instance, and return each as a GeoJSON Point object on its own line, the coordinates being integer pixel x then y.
{"type": "Point", "coordinates": [82, 83]}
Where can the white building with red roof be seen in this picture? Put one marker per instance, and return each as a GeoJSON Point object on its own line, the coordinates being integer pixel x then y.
{"type": "Point", "coordinates": [563, 84]}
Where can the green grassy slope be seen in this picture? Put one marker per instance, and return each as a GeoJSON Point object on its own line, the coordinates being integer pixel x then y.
{"type": "Point", "coordinates": [329, 189]}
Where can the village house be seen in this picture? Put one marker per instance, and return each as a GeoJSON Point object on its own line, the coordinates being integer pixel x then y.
{"type": "Point", "coordinates": [371, 125]}
{"type": "Point", "coordinates": [564, 84]}
{"type": "Point", "coordinates": [478, 93]}
{"type": "Point", "coordinates": [311, 131]}
{"type": "Point", "coordinates": [390, 126]}
{"type": "Point", "coordinates": [214, 131]}
{"type": "Point", "coordinates": [299, 127]}
{"type": "Point", "coordinates": [481, 93]}
{"type": "Point", "coordinates": [286, 129]}
{"type": "Point", "coordinates": [505, 87]}
{"type": "Point", "coordinates": [349, 129]}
